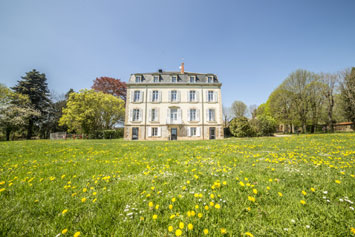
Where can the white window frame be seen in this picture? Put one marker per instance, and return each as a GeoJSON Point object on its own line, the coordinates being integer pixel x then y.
{"type": "Point", "coordinates": [193, 131]}
{"type": "Point", "coordinates": [210, 113]}
{"type": "Point", "coordinates": [210, 96]}
{"type": "Point", "coordinates": [156, 77]}
{"type": "Point", "coordinates": [139, 79]}
{"type": "Point", "coordinates": [154, 131]}
{"type": "Point", "coordinates": [192, 92]}
{"type": "Point", "coordinates": [173, 116]}
{"type": "Point", "coordinates": [193, 115]}
{"type": "Point", "coordinates": [136, 115]}
{"type": "Point", "coordinates": [172, 99]}
{"type": "Point", "coordinates": [155, 96]}
{"type": "Point", "coordinates": [174, 77]}
{"type": "Point", "coordinates": [194, 79]}
{"type": "Point", "coordinates": [136, 96]}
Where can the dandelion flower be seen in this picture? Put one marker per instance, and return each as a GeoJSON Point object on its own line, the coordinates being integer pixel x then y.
{"type": "Point", "coordinates": [77, 234]}
{"type": "Point", "coordinates": [170, 229]}
{"type": "Point", "coordinates": [64, 231]}
{"type": "Point", "coordinates": [252, 199]}
{"type": "Point", "coordinates": [170, 206]}
{"type": "Point", "coordinates": [280, 194]}
{"type": "Point", "coordinates": [304, 193]}
{"type": "Point", "coordinates": [338, 181]}
{"type": "Point", "coordinates": [205, 231]}
{"type": "Point", "coordinates": [255, 191]}
{"type": "Point", "coordinates": [155, 217]}
{"type": "Point", "coordinates": [303, 202]}
{"type": "Point", "coordinates": [199, 215]}
{"type": "Point", "coordinates": [249, 234]}
{"type": "Point", "coordinates": [173, 199]}
{"type": "Point", "coordinates": [217, 206]}
{"type": "Point", "coordinates": [83, 200]}
{"type": "Point", "coordinates": [85, 189]}
{"type": "Point", "coordinates": [190, 226]}
{"type": "Point", "coordinates": [181, 225]}
{"type": "Point", "coordinates": [206, 207]}
{"type": "Point", "coordinates": [178, 232]}
{"type": "Point", "coordinates": [64, 211]}
{"type": "Point", "coordinates": [223, 231]}
{"type": "Point", "coordinates": [313, 190]}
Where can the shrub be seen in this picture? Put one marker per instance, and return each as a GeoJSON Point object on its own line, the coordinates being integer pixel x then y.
{"type": "Point", "coordinates": [240, 127]}
{"type": "Point", "coordinates": [266, 125]}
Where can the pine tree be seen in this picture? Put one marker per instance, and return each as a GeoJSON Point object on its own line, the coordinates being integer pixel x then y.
{"type": "Point", "coordinates": [34, 85]}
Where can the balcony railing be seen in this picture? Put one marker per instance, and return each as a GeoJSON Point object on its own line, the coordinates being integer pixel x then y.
{"type": "Point", "coordinates": [173, 121]}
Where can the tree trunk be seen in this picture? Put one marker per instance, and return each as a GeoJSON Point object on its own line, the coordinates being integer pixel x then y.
{"type": "Point", "coordinates": [8, 132]}
{"type": "Point", "coordinates": [29, 128]}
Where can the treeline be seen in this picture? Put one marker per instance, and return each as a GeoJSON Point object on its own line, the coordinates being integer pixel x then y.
{"type": "Point", "coordinates": [304, 102]}
{"type": "Point", "coordinates": [29, 110]}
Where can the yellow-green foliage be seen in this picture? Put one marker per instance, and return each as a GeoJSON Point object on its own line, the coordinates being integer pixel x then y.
{"type": "Point", "coordinates": [289, 186]}
{"type": "Point", "coordinates": [88, 111]}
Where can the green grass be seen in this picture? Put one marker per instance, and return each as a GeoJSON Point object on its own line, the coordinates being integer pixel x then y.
{"type": "Point", "coordinates": [40, 179]}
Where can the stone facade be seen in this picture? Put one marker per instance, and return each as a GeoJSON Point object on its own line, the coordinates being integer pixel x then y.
{"type": "Point", "coordinates": [173, 106]}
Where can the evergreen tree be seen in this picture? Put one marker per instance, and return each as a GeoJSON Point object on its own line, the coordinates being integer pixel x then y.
{"type": "Point", "coordinates": [34, 85]}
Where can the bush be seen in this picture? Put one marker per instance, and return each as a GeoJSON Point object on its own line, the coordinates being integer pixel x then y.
{"type": "Point", "coordinates": [266, 125]}
{"type": "Point", "coordinates": [109, 134]}
{"type": "Point", "coordinates": [240, 127]}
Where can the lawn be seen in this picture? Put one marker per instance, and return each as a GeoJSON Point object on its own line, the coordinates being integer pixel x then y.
{"type": "Point", "coordinates": [286, 186]}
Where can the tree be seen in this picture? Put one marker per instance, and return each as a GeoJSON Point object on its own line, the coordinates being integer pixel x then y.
{"type": "Point", "coordinates": [347, 88]}
{"type": "Point", "coordinates": [330, 82]}
{"type": "Point", "coordinates": [266, 125]}
{"type": "Point", "coordinates": [227, 115]}
{"type": "Point", "coordinates": [15, 111]}
{"type": "Point", "coordinates": [111, 86]}
{"type": "Point", "coordinates": [34, 85]}
{"type": "Point", "coordinates": [239, 109]}
{"type": "Point", "coordinates": [88, 111]}
{"type": "Point", "coordinates": [315, 97]}
{"type": "Point", "coordinates": [240, 127]}
{"type": "Point", "coordinates": [253, 111]}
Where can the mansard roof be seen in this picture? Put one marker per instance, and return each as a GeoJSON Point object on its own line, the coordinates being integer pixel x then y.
{"type": "Point", "coordinates": [166, 77]}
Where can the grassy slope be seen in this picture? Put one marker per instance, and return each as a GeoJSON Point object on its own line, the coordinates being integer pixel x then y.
{"type": "Point", "coordinates": [40, 179]}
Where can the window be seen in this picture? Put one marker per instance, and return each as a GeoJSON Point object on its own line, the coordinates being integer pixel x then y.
{"type": "Point", "coordinates": [192, 114]}
{"type": "Point", "coordinates": [192, 96]}
{"type": "Point", "coordinates": [210, 79]}
{"type": "Point", "coordinates": [210, 96]}
{"type": "Point", "coordinates": [174, 79]}
{"type": "Point", "coordinates": [192, 79]}
{"type": "Point", "coordinates": [155, 96]}
{"type": "Point", "coordinates": [211, 115]}
{"type": "Point", "coordinates": [193, 131]}
{"type": "Point", "coordinates": [156, 79]}
{"type": "Point", "coordinates": [154, 132]}
{"type": "Point", "coordinates": [136, 115]}
{"type": "Point", "coordinates": [137, 95]}
{"type": "Point", "coordinates": [138, 79]}
{"type": "Point", "coordinates": [173, 114]}
{"type": "Point", "coordinates": [154, 115]}
{"type": "Point", "coordinates": [173, 96]}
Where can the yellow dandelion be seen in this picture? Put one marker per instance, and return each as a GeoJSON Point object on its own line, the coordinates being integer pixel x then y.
{"type": "Point", "coordinates": [206, 207]}
{"type": "Point", "coordinates": [190, 226]}
{"type": "Point", "coordinates": [181, 225]}
{"type": "Point", "coordinates": [178, 232]}
{"type": "Point", "coordinates": [313, 190]}
{"type": "Point", "coordinates": [172, 216]}
{"type": "Point", "coordinates": [155, 217]}
{"type": "Point", "coordinates": [2, 190]}
{"type": "Point", "coordinates": [303, 202]}
{"type": "Point", "coordinates": [170, 229]}
{"type": "Point", "coordinates": [141, 218]}
{"type": "Point", "coordinates": [255, 191]}
{"type": "Point", "coordinates": [217, 206]}
{"type": "Point", "coordinates": [304, 193]}
{"type": "Point", "coordinates": [280, 194]}
{"type": "Point", "coordinates": [94, 200]}
{"type": "Point", "coordinates": [241, 183]}
{"type": "Point", "coordinates": [64, 211]}
{"type": "Point", "coordinates": [223, 231]}
{"type": "Point", "coordinates": [83, 200]}
{"type": "Point", "coordinates": [94, 193]}
{"type": "Point", "coordinates": [205, 231]}
{"type": "Point", "coordinates": [196, 207]}
{"type": "Point", "coordinates": [212, 195]}
{"type": "Point", "coordinates": [157, 207]}
{"type": "Point", "coordinates": [352, 229]}
{"type": "Point", "coordinates": [150, 204]}
{"type": "Point", "coordinates": [173, 199]}
{"type": "Point", "coordinates": [193, 213]}
{"type": "Point", "coordinates": [252, 199]}
{"type": "Point", "coordinates": [338, 181]}
{"type": "Point", "coordinates": [170, 206]}
{"type": "Point", "coordinates": [77, 234]}
{"type": "Point", "coordinates": [199, 215]}
{"type": "Point", "coordinates": [268, 188]}
{"type": "Point", "coordinates": [85, 190]}
{"type": "Point", "coordinates": [64, 231]}
{"type": "Point", "coordinates": [249, 234]}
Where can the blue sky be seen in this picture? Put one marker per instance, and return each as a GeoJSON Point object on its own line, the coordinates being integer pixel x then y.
{"type": "Point", "coordinates": [251, 45]}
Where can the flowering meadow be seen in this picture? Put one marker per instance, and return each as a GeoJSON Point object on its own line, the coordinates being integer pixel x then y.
{"type": "Point", "coordinates": [283, 186]}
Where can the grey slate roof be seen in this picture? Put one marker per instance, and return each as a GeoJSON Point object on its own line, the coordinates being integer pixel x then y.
{"type": "Point", "coordinates": [166, 77]}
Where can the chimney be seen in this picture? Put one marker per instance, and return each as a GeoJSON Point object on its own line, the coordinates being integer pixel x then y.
{"type": "Point", "coordinates": [182, 70]}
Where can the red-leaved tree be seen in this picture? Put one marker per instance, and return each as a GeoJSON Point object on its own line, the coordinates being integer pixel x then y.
{"type": "Point", "coordinates": [111, 86]}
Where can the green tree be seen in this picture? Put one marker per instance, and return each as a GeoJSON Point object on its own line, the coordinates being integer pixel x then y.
{"type": "Point", "coordinates": [34, 85]}
{"type": "Point", "coordinates": [240, 127]}
{"type": "Point", "coordinates": [347, 88]}
{"type": "Point", "coordinates": [15, 111]}
{"type": "Point", "coordinates": [88, 111]}
{"type": "Point", "coordinates": [266, 125]}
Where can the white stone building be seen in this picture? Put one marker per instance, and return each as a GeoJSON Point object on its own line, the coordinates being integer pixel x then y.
{"type": "Point", "coordinates": [173, 106]}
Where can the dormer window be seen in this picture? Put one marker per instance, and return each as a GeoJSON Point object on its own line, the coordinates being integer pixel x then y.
{"type": "Point", "coordinates": [138, 79]}
{"type": "Point", "coordinates": [156, 79]}
{"type": "Point", "coordinates": [192, 79]}
{"type": "Point", "coordinates": [174, 79]}
{"type": "Point", "coordinates": [210, 79]}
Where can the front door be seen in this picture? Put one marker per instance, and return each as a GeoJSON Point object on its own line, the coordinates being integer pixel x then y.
{"type": "Point", "coordinates": [135, 133]}
{"type": "Point", "coordinates": [173, 134]}
{"type": "Point", "coordinates": [212, 133]}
